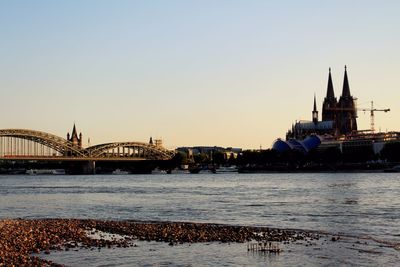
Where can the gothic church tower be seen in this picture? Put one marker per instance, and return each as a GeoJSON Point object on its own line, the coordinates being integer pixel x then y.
{"type": "Point", "coordinates": [347, 110]}
{"type": "Point", "coordinates": [330, 102]}
{"type": "Point", "coordinates": [76, 141]}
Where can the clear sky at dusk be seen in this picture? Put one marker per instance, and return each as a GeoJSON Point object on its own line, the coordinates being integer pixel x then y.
{"type": "Point", "coordinates": [227, 73]}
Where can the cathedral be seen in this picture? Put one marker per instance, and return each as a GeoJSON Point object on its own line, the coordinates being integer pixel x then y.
{"type": "Point", "coordinates": [339, 118]}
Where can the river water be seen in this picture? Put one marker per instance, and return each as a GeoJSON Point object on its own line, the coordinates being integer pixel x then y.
{"type": "Point", "coordinates": [363, 205]}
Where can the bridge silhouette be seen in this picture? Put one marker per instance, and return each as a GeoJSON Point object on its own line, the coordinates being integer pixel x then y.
{"type": "Point", "coordinates": [37, 146]}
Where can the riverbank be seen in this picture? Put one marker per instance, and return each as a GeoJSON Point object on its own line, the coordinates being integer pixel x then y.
{"type": "Point", "coordinates": [323, 168]}
{"type": "Point", "coordinates": [21, 239]}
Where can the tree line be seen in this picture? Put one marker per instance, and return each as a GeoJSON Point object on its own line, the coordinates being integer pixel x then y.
{"type": "Point", "coordinates": [294, 158]}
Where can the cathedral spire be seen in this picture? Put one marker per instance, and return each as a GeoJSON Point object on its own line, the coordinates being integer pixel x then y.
{"type": "Point", "coordinates": [330, 102]}
{"type": "Point", "coordinates": [315, 112]}
{"type": "Point", "coordinates": [330, 94]}
{"type": "Point", "coordinates": [346, 87]}
{"type": "Point", "coordinates": [347, 117]}
{"type": "Point", "coordinates": [315, 104]}
{"type": "Point", "coordinates": [74, 133]}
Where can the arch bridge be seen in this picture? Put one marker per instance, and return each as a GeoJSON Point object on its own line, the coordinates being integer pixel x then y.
{"type": "Point", "coordinates": [36, 145]}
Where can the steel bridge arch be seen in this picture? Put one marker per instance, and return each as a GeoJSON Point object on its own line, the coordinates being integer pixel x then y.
{"type": "Point", "coordinates": [55, 142]}
{"type": "Point", "coordinates": [150, 152]}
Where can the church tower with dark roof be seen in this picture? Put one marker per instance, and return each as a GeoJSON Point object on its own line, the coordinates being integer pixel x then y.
{"type": "Point", "coordinates": [330, 102]}
{"type": "Point", "coordinates": [347, 110]}
{"type": "Point", "coordinates": [74, 139]}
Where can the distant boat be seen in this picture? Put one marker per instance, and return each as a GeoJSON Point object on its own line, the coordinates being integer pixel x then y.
{"type": "Point", "coordinates": [227, 169]}
{"type": "Point", "coordinates": [46, 171]}
{"type": "Point", "coordinates": [158, 171]}
{"type": "Point", "coordinates": [119, 172]}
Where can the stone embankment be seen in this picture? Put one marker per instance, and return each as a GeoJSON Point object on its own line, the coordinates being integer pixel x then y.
{"type": "Point", "coordinates": [21, 239]}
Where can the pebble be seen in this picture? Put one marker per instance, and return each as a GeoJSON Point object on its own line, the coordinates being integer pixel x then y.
{"type": "Point", "coordinates": [20, 239]}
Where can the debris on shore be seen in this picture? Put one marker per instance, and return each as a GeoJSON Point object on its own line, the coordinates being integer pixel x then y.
{"type": "Point", "coordinates": [266, 247]}
{"type": "Point", "coordinates": [20, 239]}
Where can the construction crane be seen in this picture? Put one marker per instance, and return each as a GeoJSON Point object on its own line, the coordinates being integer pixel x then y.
{"type": "Point", "coordinates": [372, 114]}
{"type": "Point", "coordinates": [371, 110]}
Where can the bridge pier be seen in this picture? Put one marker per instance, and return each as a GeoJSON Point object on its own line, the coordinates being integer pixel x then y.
{"type": "Point", "coordinates": [81, 167]}
{"type": "Point", "coordinates": [91, 167]}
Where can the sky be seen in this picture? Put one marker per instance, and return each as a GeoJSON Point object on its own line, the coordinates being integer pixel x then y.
{"type": "Point", "coordinates": [219, 73]}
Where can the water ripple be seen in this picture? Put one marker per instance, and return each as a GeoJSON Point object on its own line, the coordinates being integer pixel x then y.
{"type": "Point", "coordinates": [349, 203]}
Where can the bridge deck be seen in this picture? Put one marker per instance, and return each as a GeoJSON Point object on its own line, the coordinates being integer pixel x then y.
{"type": "Point", "coordinates": [50, 158]}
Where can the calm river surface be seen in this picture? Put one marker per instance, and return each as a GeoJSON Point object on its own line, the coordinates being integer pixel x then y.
{"type": "Point", "coordinates": [357, 204]}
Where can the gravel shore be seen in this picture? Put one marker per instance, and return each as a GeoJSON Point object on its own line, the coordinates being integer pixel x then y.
{"type": "Point", "coordinates": [20, 239]}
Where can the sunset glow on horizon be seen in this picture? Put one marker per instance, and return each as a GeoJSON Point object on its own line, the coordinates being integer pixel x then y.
{"type": "Point", "coordinates": [225, 73]}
